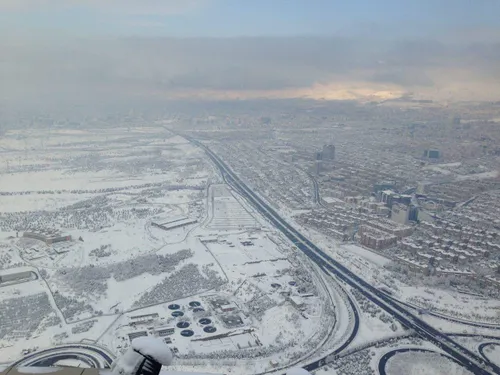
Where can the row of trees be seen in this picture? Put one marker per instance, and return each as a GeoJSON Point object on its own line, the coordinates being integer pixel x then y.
{"type": "Point", "coordinates": [23, 314]}
{"type": "Point", "coordinates": [186, 281]}
{"type": "Point", "coordinates": [94, 218]}
{"type": "Point", "coordinates": [91, 281]}
{"type": "Point", "coordinates": [100, 191]}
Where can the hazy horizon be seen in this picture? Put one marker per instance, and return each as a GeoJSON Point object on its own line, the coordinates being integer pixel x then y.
{"type": "Point", "coordinates": [75, 51]}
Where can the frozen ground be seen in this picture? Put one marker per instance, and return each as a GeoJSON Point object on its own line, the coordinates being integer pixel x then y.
{"type": "Point", "coordinates": [492, 352]}
{"type": "Point", "coordinates": [447, 302]}
{"type": "Point", "coordinates": [103, 188]}
{"type": "Point", "coordinates": [415, 363]}
{"type": "Point", "coordinates": [125, 274]}
{"type": "Point", "coordinates": [120, 273]}
{"type": "Point", "coordinates": [327, 370]}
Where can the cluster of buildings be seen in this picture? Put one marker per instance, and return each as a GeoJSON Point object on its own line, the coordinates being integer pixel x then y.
{"type": "Point", "coordinates": [283, 184]}
{"type": "Point", "coordinates": [387, 180]}
{"type": "Point", "coordinates": [192, 320]}
{"type": "Point", "coordinates": [353, 218]}
{"type": "Point", "coordinates": [49, 236]}
{"type": "Point", "coordinates": [451, 193]}
{"type": "Point", "coordinates": [445, 245]}
{"type": "Point", "coordinates": [375, 238]}
{"type": "Point", "coordinates": [325, 156]}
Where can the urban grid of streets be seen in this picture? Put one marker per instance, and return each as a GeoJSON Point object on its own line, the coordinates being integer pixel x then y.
{"type": "Point", "coordinates": [473, 362]}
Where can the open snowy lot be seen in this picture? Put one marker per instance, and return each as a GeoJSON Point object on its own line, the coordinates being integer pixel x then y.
{"type": "Point", "coordinates": [492, 352]}
{"type": "Point", "coordinates": [451, 303]}
{"type": "Point", "coordinates": [423, 363]}
{"type": "Point", "coordinates": [101, 191]}
{"type": "Point", "coordinates": [128, 236]}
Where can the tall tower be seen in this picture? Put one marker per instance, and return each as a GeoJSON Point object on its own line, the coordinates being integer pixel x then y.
{"type": "Point", "coordinates": [455, 120]}
{"type": "Point", "coordinates": [329, 152]}
{"type": "Point", "coordinates": [317, 167]}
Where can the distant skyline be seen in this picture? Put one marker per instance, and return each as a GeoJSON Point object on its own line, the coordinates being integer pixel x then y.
{"type": "Point", "coordinates": [477, 19]}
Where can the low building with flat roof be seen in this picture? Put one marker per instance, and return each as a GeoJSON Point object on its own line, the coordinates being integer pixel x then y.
{"type": "Point", "coordinates": [164, 331]}
{"type": "Point", "coordinates": [137, 334]}
{"type": "Point", "coordinates": [297, 302]}
{"type": "Point", "coordinates": [48, 236]}
{"type": "Point", "coordinates": [142, 319]}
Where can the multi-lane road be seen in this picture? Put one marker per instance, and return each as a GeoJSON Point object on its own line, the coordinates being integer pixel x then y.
{"type": "Point", "coordinates": [468, 359]}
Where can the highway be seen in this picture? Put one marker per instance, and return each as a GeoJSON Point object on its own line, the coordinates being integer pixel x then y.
{"type": "Point", "coordinates": [328, 358]}
{"type": "Point", "coordinates": [449, 318]}
{"type": "Point", "coordinates": [468, 359]}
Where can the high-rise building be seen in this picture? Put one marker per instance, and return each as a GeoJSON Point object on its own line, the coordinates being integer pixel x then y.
{"type": "Point", "coordinates": [318, 155]}
{"type": "Point", "coordinates": [317, 167]}
{"type": "Point", "coordinates": [413, 214]}
{"type": "Point", "coordinates": [387, 197]}
{"type": "Point", "coordinates": [400, 213]}
{"type": "Point", "coordinates": [329, 152]}
{"type": "Point", "coordinates": [432, 154]}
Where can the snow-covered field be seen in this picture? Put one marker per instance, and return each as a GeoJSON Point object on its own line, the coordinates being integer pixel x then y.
{"type": "Point", "coordinates": [119, 273]}
{"type": "Point", "coordinates": [450, 303]}
{"type": "Point", "coordinates": [417, 363]}
{"type": "Point", "coordinates": [155, 244]}
{"type": "Point", "coordinates": [492, 352]}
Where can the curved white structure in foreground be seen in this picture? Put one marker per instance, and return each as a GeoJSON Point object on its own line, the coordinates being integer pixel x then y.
{"type": "Point", "coordinates": [146, 356]}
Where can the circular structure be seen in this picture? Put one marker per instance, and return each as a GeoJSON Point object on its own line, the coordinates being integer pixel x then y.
{"type": "Point", "coordinates": [292, 283]}
{"type": "Point", "coordinates": [204, 321]}
{"type": "Point", "coordinates": [187, 333]}
{"type": "Point", "coordinates": [194, 304]}
{"type": "Point", "coordinates": [177, 313]}
{"type": "Point", "coordinates": [209, 329]}
{"type": "Point", "coordinates": [174, 306]}
{"type": "Point", "coordinates": [71, 360]}
{"type": "Point", "coordinates": [421, 361]}
{"type": "Point", "coordinates": [276, 285]}
{"type": "Point", "coordinates": [86, 355]}
{"type": "Point", "coordinates": [182, 325]}
{"type": "Point", "coordinates": [198, 309]}
{"type": "Point", "coordinates": [490, 351]}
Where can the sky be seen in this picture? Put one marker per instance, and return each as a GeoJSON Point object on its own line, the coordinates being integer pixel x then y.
{"type": "Point", "coordinates": [76, 51]}
{"type": "Point", "coordinates": [232, 18]}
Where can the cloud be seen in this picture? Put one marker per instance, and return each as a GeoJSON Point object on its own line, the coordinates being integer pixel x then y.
{"type": "Point", "coordinates": [101, 71]}
{"type": "Point", "coordinates": [130, 7]}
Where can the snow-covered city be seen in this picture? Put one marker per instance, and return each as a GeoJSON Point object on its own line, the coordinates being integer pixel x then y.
{"type": "Point", "coordinates": [229, 187]}
{"type": "Point", "coordinates": [112, 234]}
